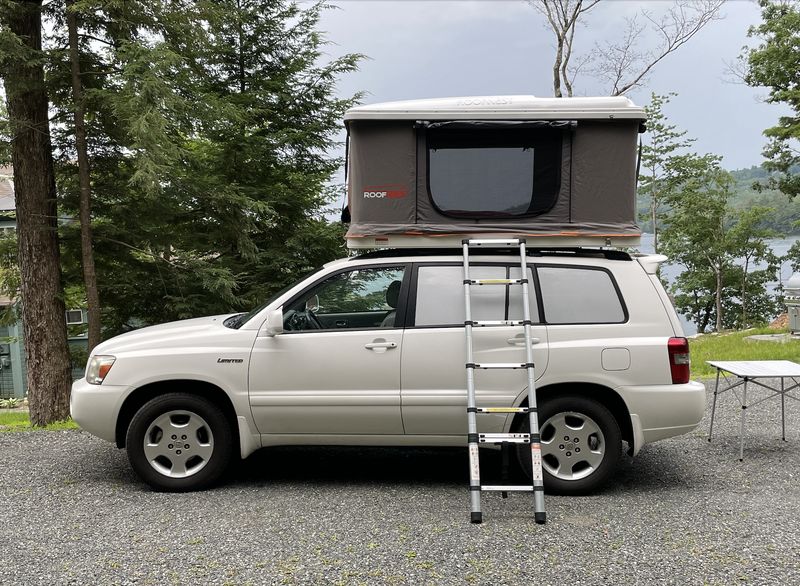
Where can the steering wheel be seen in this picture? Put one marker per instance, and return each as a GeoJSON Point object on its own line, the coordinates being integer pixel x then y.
{"type": "Point", "coordinates": [297, 321]}
{"type": "Point", "coordinates": [312, 321]}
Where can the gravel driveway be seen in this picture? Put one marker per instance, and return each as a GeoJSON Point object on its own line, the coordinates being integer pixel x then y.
{"type": "Point", "coordinates": [683, 512]}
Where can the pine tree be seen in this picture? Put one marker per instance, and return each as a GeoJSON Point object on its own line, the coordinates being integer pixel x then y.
{"type": "Point", "coordinates": [210, 135]}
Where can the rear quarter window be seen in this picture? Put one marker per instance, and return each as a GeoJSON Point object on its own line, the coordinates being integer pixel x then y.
{"type": "Point", "coordinates": [580, 295]}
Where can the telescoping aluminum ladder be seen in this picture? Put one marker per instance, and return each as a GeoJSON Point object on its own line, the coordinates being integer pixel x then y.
{"type": "Point", "coordinates": [474, 438]}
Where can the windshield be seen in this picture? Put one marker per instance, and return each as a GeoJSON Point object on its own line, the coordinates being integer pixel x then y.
{"type": "Point", "coordinates": [238, 320]}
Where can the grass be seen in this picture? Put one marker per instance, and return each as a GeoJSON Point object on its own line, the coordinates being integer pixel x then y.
{"type": "Point", "coordinates": [735, 346]}
{"type": "Point", "coordinates": [11, 421]}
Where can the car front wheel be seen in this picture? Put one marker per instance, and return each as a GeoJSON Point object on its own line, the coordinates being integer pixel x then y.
{"type": "Point", "coordinates": [581, 445]}
{"type": "Point", "coordinates": [179, 442]}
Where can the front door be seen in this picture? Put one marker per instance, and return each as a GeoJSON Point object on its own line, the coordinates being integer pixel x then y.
{"type": "Point", "coordinates": [336, 368]}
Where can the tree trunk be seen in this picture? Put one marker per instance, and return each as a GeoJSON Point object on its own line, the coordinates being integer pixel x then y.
{"type": "Point", "coordinates": [744, 292]}
{"type": "Point", "coordinates": [653, 212]}
{"type": "Point", "coordinates": [718, 298]}
{"type": "Point", "coordinates": [87, 253]}
{"type": "Point", "coordinates": [705, 318]}
{"type": "Point", "coordinates": [654, 199]}
{"type": "Point", "coordinates": [44, 324]}
{"type": "Point", "coordinates": [557, 66]}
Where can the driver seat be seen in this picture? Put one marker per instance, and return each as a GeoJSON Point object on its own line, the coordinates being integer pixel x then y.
{"type": "Point", "coordinates": [392, 296]}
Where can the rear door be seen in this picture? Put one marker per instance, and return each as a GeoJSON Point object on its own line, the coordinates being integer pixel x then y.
{"type": "Point", "coordinates": [434, 396]}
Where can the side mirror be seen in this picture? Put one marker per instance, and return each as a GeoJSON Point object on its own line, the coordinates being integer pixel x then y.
{"type": "Point", "coordinates": [274, 324]}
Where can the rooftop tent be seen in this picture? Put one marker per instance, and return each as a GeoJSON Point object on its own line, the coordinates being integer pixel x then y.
{"type": "Point", "coordinates": [559, 171]}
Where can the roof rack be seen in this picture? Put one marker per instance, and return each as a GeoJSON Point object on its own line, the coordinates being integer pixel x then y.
{"type": "Point", "coordinates": [606, 253]}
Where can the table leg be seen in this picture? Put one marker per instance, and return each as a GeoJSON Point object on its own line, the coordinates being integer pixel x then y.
{"type": "Point", "coordinates": [783, 408]}
{"type": "Point", "coordinates": [741, 427]}
{"type": "Point", "coordinates": [713, 406]}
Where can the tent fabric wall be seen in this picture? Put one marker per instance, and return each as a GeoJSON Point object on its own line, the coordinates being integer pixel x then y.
{"type": "Point", "coordinates": [382, 161]}
{"type": "Point", "coordinates": [604, 174]}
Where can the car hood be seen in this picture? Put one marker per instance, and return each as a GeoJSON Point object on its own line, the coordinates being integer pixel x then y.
{"type": "Point", "coordinates": [172, 334]}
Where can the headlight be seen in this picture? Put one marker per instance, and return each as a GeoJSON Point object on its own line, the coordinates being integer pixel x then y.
{"type": "Point", "coordinates": [98, 368]}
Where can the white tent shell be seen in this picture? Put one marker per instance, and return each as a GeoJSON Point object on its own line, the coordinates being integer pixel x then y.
{"type": "Point", "coordinates": [559, 171]}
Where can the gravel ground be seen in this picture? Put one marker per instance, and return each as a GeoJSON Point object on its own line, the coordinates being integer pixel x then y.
{"type": "Point", "coordinates": [683, 512]}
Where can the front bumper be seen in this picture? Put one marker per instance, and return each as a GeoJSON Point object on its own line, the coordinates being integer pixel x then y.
{"type": "Point", "coordinates": [95, 407]}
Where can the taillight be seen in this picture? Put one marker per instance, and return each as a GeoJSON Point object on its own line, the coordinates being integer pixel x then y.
{"type": "Point", "coordinates": [678, 350]}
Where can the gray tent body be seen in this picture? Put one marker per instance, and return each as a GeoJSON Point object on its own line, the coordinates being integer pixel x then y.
{"type": "Point", "coordinates": [582, 154]}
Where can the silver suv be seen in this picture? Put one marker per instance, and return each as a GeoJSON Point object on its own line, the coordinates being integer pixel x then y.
{"type": "Point", "coordinates": [370, 350]}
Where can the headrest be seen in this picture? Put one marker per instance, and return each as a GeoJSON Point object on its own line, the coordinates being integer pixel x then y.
{"type": "Point", "coordinates": [393, 294]}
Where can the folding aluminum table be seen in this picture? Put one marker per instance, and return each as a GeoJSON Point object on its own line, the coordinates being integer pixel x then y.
{"type": "Point", "coordinates": [749, 372]}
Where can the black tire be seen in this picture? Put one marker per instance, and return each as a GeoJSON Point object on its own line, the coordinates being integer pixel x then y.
{"type": "Point", "coordinates": [577, 473]}
{"type": "Point", "coordinates": [212, 442]}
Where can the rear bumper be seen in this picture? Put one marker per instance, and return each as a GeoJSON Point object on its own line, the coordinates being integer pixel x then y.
{"type": "Point", "coordinates": [662, 411]}
{"type": "Point", "coordinates": [95, 407]}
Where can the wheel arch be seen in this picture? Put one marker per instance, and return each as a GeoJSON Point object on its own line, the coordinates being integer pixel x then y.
{"type": "Point", "coordinates": [140, 396]}
{"type": "Point", "coordinates": [604, 395]}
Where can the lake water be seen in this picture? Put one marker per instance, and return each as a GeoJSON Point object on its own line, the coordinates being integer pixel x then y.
{"type": "Point", "coordinates": [780, 246]}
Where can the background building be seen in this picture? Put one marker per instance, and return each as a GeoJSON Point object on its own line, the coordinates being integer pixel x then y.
{"type": "Point", "coordinates": [12, 347]}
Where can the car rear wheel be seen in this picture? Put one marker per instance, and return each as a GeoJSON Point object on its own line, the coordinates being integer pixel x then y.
{"type": "Point", "coordinates": [179, 442]}
{"type": "Point", "coordinates": [581, 445]}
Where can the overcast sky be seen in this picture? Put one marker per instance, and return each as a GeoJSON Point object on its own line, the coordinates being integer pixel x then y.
{"type": "Point", "coordinates": [437, 48]}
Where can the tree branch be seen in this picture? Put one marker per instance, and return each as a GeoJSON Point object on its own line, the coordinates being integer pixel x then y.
{"type": "Point", "coordinates": [682, 22]}
{"type": "Point", "coordinates": [562, 17]}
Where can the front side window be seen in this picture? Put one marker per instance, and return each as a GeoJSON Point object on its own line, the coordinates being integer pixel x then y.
{"type": "Point", "coordinates": [357, 299]}
{"type": "Point", "coordinates": [494, 173]}
{"type": "Point", "coordinates": [572, 295]}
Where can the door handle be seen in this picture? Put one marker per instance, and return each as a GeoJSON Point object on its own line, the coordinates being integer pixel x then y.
{"type": "Point", "coordinates": [380, 345]}
{"type": "Point", "coordinates": [520, 340]}
{"type": "Point", "coordinates": [341, 323]}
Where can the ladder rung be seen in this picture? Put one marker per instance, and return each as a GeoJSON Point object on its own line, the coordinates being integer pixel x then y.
{"type": "Point", "coordinates": [510, 488]}
{"type": "Point", "coordinates": [494, 241]}
{"type": "Point", "coordinates": [496, 281]}
{"type": "Point", "coordinates": [500, 438]}
{"type": "Point", "coordinates": [493, 365]}
{"type": "Point", "coordinates": [499, 322]}
{"type": "Point", "coordinates": [503, 410]}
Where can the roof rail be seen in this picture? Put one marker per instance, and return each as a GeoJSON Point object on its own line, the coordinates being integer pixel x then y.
{"type": "Point", "coordinates": [607, 253]}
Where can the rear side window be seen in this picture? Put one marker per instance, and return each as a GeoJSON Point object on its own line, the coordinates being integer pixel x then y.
{"type": "Point", "coordinates": [440, 296]}
{"type": "Point", "coordinates": [493, 173]}
{"type": "Point", "coordinates": [573, 295]}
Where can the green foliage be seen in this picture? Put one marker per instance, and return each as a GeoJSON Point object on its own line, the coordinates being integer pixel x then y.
{"type": "Point", "coordinates": [748, 190]}
{"type": "Point", "coordinates": [659, 174]}
{"type": "Point", "coordinates": [209, 137]}
{"type": "Point", "coordinates": [78, 356]}
{"type": "Point", "coordinates": [774, 63]}
{"type": "Point", "coordinates": [357, 291]}
{"type": "Point", "coordinates": [718, 248]}
{"type": "Point", "coordinates": [9, 276]}
{"type": "Point", "coordinates": [5, 135]}
{"type": "Point", "coordinates": [10, 403]}
{"type": "Point", "coordinates": [794, 256]}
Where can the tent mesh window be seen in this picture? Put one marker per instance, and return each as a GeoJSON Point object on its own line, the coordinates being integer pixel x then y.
{"type": "Point", "coordinates": [493, 172]}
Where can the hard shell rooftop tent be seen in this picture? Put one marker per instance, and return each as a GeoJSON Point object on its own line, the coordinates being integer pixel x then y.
{"type": "Point", "coordinates": [558, 171]}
